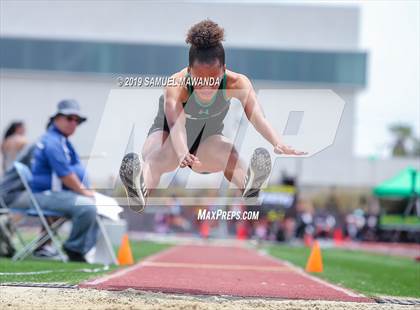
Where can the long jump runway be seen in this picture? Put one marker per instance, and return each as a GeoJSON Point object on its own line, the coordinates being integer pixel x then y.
{"type": "Point", "coordinates": [222, 271]}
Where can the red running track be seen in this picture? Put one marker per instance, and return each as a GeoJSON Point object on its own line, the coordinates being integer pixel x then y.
{"type": "Point", "coordinates": [217, 270]}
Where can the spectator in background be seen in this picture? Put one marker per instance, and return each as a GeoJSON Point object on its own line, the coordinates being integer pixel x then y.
{"type": "Point", "coordinates": [59, 181]}
{"type": "Point", "coordinates": [13, 142]}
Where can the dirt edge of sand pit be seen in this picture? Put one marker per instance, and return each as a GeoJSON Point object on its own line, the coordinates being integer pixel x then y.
{"type": "Point", "coordinates": [54, 298]}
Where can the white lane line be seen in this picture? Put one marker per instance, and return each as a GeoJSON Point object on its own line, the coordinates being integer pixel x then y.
{"type": "Point", "coordinates": [87, 270]}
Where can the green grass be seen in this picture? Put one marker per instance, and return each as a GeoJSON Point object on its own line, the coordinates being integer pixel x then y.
{"type": "Point", "coordinates": [370, 274]}
{"type": "Point", "coordinates": [67, 273]}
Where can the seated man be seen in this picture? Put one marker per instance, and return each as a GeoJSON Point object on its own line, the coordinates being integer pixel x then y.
{"type": "Point", "coordinates": [59, 180]}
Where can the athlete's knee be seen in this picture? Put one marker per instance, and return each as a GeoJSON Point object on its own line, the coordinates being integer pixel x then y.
{"type": "Point", "coordinates": [170, 163]}
{"type": "Point", "coordinates": [154, 142]}
{"type": "Point", "coordinates": [163, 160]}
{"type": "Point", "coordinates": [224, 154]}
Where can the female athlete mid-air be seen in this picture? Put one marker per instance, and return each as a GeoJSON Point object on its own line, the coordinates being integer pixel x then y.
{"type": "Point", "coordinates": [191, 115]}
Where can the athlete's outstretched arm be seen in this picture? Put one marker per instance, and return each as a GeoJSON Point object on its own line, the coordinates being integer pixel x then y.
{"type": "Point", "coordinates": [255, 115]}
{"type": "Point", "coordinates": [176, 121]}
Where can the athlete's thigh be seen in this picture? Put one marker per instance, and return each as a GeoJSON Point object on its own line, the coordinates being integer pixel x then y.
{"type": "Point", "coordinates": [214, 153]}
{"type": "Point", "coordinates": [159, 148]}
{"type": "Point", "coordinates": [154, 141]}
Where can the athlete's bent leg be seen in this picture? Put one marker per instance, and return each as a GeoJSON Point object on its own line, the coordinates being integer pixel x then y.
{"type": "Point", "coordinates": [216, 153]}
{"type": "Point", "coordinates": [139, 177]}
{"type": "Point", "coordinates": [159, 157]}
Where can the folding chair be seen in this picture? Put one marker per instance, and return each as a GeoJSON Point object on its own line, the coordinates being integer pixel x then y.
{"type": "Point", "coordinates": [14, 224]}
{"type": "Point", "coordinates": [6, 231]}
{"type": "Point", "coordinates": [6, 210]}
{"type": "Point", "coordinates": [25, 176]}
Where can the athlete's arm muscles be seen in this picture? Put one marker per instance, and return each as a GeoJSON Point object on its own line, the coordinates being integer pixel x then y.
{"type": "Point", "coordinates": [253, 111]}
{"type": "Point", "coordinates": [176, 121]}
{"type": "Point", "coordinates": [175, 116]}
{"type": "Point", "coordinates": [255, 115]}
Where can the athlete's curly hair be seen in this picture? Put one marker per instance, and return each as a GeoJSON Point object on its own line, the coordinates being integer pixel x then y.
{"type": "Point", "coordinates": [206, 39]}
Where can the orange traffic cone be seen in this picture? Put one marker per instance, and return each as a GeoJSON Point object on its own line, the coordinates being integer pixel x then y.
{"type": "Point", "coordinates": [314, 263]}
{"type": "Point", "coordinates": [125, 257]}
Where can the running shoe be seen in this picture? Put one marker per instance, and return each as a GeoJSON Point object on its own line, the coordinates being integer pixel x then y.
{"type": "Point", "coordinates": [258, 172]}
{"type": "Point", "coordinates": [133, 181]}
{"type": "Point", "coordinates": [47, 252]}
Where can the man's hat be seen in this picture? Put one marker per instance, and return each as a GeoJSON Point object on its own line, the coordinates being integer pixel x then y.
{"type": "Point", "coordinates": [69, 107]}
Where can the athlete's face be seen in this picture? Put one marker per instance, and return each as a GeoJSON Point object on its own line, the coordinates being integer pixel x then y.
{"type": "Point", "coordinates": [206, 73]}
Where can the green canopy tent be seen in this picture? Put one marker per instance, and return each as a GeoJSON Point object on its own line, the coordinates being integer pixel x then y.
{"type": "Point", "coordinates": [404, 184]}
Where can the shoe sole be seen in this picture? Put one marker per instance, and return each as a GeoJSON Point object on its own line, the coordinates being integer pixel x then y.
{"type": "Point", "coordinates": [54, 258]}
{"type": "Point", "coordinates": [259, 171]}
{"type": "Point", "coordinates": [130, 171]}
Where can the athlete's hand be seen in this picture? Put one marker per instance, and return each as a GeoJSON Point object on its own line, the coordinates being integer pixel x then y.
{"type": "Point", "coordinates": [189, 160]}
{"type": "Point", "coordinates": [288, 150]}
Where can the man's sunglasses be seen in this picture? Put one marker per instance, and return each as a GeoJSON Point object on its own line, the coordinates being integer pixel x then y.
{"type": "Point", "coordinates": [71, 118]}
